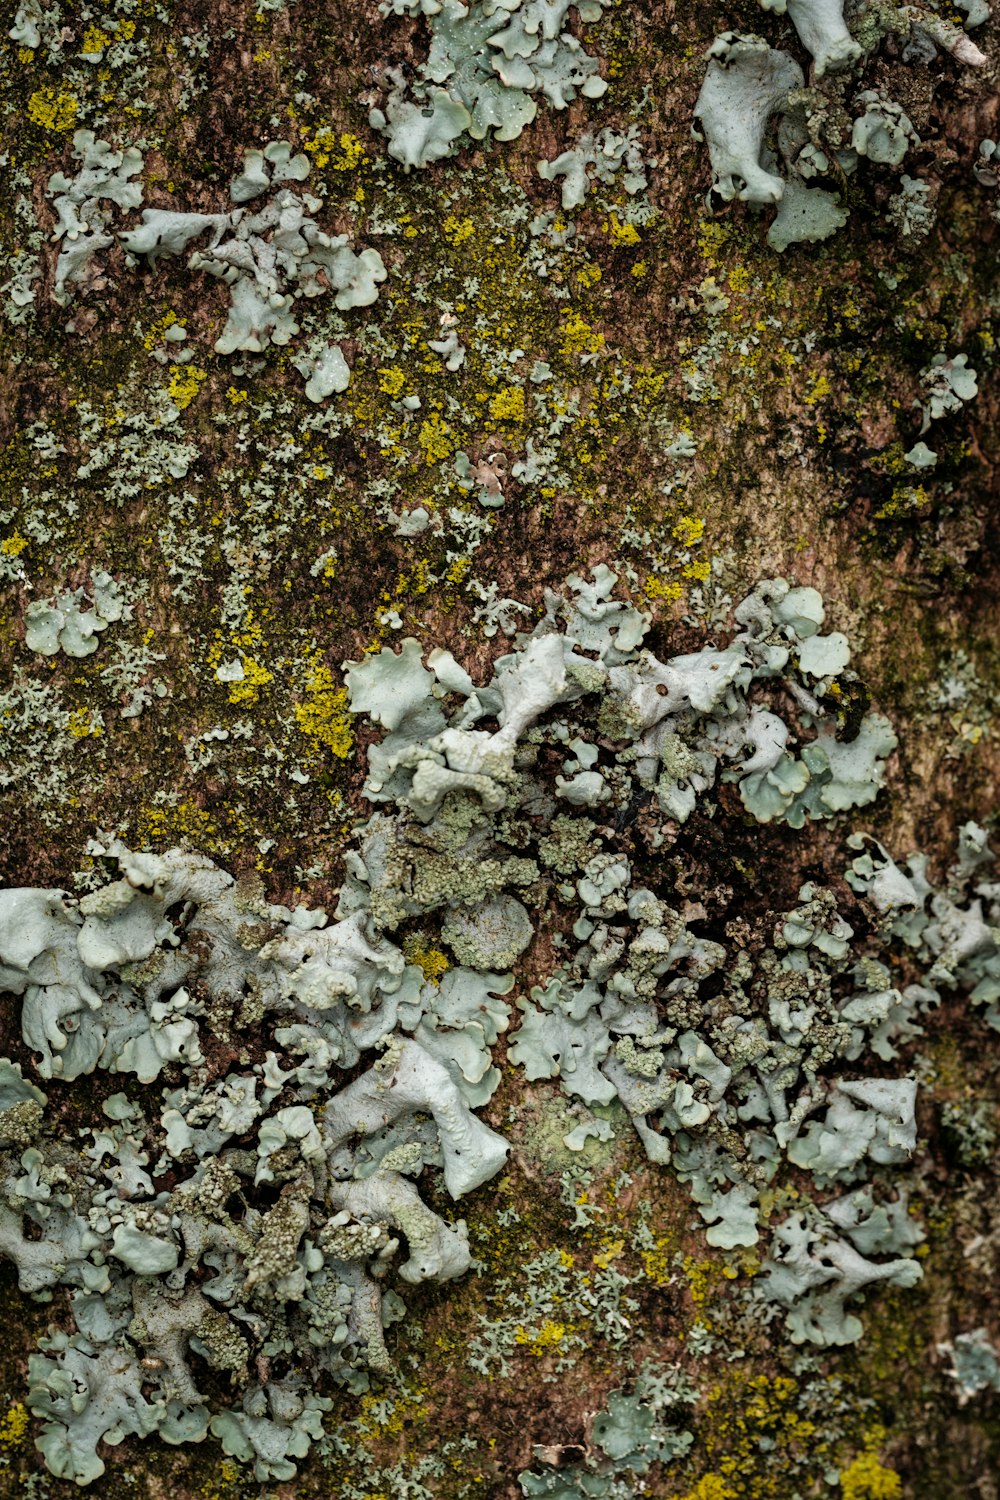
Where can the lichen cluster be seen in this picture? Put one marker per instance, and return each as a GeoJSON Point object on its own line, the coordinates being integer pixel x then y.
{"type": "Point", "coordinates": [293, 1194]}
{"type": "Point", "coordinates": [824, 129]}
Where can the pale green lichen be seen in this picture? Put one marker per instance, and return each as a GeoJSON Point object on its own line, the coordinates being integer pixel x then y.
{"type": "Point", "coordinates": [822, 31]}
{"type": "Point", "coordinates": [107, 984]}
{"type": "Point", "coordinates": [485, 64]}
{"type": "Point", "coordinates": [746, 82]}
{"type": "Point", "coordinates": [71, 622]}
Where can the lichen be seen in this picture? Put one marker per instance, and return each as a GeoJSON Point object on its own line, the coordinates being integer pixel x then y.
{"type": "Point", "coordinates": [536, 390]}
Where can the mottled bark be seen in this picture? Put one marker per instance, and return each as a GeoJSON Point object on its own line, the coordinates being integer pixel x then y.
{"type": "Point", "coordinates": [717, 413]}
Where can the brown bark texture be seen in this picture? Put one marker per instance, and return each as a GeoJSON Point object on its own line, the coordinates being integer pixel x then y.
{"type": "Point", "coordinates": [646, 384]}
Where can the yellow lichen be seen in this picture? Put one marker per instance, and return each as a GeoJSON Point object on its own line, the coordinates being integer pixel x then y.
{"type": "Point", "coordinates": [688, 530]}
{"type": "Point", "coordinates": [579, 337]}
{"type": "Point", "coordinates": [712, 235]}
{"type": "Point", "coordinates": [622, 234]}
{"type": "Point", "coordinates": [324, 716]}
{"type": "Point", "coordinates": [658, 1262]}
{"type": "Point", "coordinates": [906, 498]}
{"type": "Point", "coordinates": [352, 153]}
{"type": "Point", "coordinates": [436, 439]}
{"type": "Point", "coordinates": [83, 722]}
{"type": "Point", "coordinates": [867, 1479]}
{"type": "Point", "coordinates": [457, 231]}
{"type": "Point", "coordinates": [94, 42]}
{"type": "Point", "coordinates": [433, 962]}
{"type": "Point", "coordinates": [13, 1425]}
{"type": "Point", "coordinates": [549, 1336]}
{"type": "Point", "coordinates": [702, 1278]}
{"type": "Point", "coordinates": [255, 676]}
{"type": "Point", "coordinates": [391, 381]}
{"type": "Point", "coordinates": [14, 545]}
{"type": "Point", "coordinates": [648, 386]}
{"type": "Point", "coordinates": [710, 1487]}
{"type": "Point", "coordinates": [375, 1421]}
{"type": "Point", "coordinates": [746, 1418]}
{"type": "Point", "coordinates": [662, 590]}
{"type": "Point", "coordinates": [155, 332]}
{"type": "Point", "coordinates": [508, 405]}
{"type": "Point", "coordinates": [819, 389]}
{"type": "Point", "coordinates": [185, 382]}
{"type": "Point", "coordinates": [322, 146]}
{"type": "Point", "coordinates": [52, 109]}
{"type": "Point", "coordinates": [185, 823]}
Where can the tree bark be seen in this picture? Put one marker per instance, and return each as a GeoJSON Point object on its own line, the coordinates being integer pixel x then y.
{"type": "Point", "coordinates": [646, 384]}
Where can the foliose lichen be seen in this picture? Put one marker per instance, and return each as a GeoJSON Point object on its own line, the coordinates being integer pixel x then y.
{"type": "Point", "coordinates": [297, 1194]}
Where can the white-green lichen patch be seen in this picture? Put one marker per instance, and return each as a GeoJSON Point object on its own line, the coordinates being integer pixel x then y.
{"type": "Point", "coordinates": [296, 1192]}
{"type": "Point", "coordinates": [748, 82]}
{"type": "Point", "coordinates": [269, 258]}
{"type": "Point", "coordinates": [486, 63]}
{"type": "Point", "coordinates": [822, 31]}
{"type": "Point", "coordinates": [72, 622]}
{"type": "Point", "coordinates": [104, 176]}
